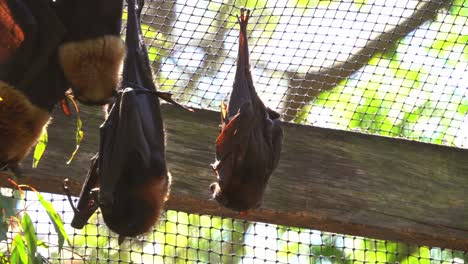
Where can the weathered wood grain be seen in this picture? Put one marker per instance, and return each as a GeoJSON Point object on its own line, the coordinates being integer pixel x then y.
{"type": "Point", "coordinates": [329, 180]}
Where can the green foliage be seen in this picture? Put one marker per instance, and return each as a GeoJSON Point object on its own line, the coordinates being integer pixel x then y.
{"type": "Point", "coordinates": [191, 238]}
{"type": "Point", "coordinates": [78, 137]}
{"type": "Point", "coordinates": [40, 148]}
{"type": "Point", "coordinates": [24, 244]}
{"type": "Point", "coordinates": [56, 220]}
{"type": "Point", "coordinates": [30, 237]}
{"type": "Point", "coordinates": [18, 253]}
{"type": "Point", "coordinates": [459, 8]}
{"type": "Point", "coordinates": [401, 98]}
{"type": "Point", "coordinates": [159, 44]}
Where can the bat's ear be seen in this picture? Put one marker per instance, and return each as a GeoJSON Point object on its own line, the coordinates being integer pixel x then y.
{"type": "Point", "coordinates": [93, 67]}
{"type": "Point", "coordinates": [21, 124]}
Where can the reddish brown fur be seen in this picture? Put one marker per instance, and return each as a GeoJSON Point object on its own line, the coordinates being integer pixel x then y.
{"type": "Point", "coordinates": [92, 67]}
{"type": "Point", "coordinates": [21, 124]}
{"type": "Point", "coordinates": [249, 145]}
{"type": "Point", "coordinates": [12, 34]}
{"type": "Point", "coordinates": [137, 209]}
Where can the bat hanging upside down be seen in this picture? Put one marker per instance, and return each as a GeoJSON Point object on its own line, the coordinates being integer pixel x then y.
{"type": "Point", "coordinates": [129, 180]}
{"type": "Point", "coordinates": [249, 145]}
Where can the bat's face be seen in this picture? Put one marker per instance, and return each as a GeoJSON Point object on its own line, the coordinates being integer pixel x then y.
{"type": "Point", "coordinates": [92, 67]}
{"type": "Point", "coordinates": [239, 198]}
{"type": "Point", "coordinates": [247, 151]}
{"type": "Point", "coordinates": [136, 211]}
{"type": "Point", "coordinates": [138, 200]}
{"type": "Point", "coordinates": [240, 181]}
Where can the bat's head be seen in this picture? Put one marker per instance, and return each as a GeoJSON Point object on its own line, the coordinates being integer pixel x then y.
{"type": "Point", "coordinates": [92, 55]}
{"type": "Point", "coordinates": [238, 197]}
{"type": "Point", "coordinates": [137, 203]}
{"type": "Point", "coordinates": [92, 67]}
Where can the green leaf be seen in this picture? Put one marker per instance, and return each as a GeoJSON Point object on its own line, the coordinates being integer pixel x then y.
{"type": "Point", "coordinates": [79, 137]}
{"type": "Point", "coordinates": [18, 252]}
{"type": "Point", "coordinates": [40, 148]}
{"type": "Point", "coordinates": [42, 244]}
{"type": "Point", "coordinates": [30, 236]}
{"type": "Point", "coordinates": [56, 220]}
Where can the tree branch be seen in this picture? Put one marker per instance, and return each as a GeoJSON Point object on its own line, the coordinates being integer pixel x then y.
{"type": "Point", "coordinates": [304, 87]}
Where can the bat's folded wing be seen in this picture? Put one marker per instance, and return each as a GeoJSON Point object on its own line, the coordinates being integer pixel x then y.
{"type": "Point", "coordinates": [131, 129]}
{"type": "Point", "coordinates": [235, 131]}
{"type": "Point", "coordinates": [276, 143]}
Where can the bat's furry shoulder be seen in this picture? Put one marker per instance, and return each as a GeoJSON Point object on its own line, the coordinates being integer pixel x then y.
{"type": "Point", "coordinates": [92, 67]}
{"type": "Point", "coordinates": [21, 124]}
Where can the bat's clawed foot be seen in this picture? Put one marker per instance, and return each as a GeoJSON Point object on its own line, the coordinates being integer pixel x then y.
{"type": "Point", "coordinates": [215, 166]}
{"type": "Point", "coordinates": [66, 190]}
{"type": "Point", "coordinates": [214, 188]}
{"type": "Point", "coordinates": [244, 15]}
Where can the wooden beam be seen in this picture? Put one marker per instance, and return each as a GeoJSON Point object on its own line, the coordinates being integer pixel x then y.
{"type": "Point", "coordinates": [329, 180]}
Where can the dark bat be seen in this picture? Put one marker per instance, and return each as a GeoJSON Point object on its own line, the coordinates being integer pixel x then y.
{"type": "Point", "coordinates": [249, 145]}
{"type": "Point", "coordinates": [92, 53]}
{"type": "Point", "coordinates": [129, 179]}
{"type": "Point", "coordinates": [31, 81]}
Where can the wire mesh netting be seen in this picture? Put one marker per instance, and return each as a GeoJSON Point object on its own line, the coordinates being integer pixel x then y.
{"type": "Point", "coordinates": [394, 68]}
{"type": "Point", "coordinates": [193, 238]}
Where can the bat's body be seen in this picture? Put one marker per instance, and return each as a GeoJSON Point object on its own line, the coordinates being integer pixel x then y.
{"type": "Point", "coordinates": [249, 145]}
{"type": "Point", "coordinates": [92, 53]}
{"type": "Point", "coordinates": [129, 180]}
{"type": "Point", "coordinates": [31, 81]}
{"type": "Point", "coordinates": [46, 46]}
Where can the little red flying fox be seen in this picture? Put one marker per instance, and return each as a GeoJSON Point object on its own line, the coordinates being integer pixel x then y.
{"type": "Point", "coordinates": [249, 145]}
{"type": "Point", "coordinates": [128, 178]}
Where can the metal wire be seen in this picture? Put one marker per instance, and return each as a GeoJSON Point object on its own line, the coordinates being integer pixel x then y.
{"type": "Point", "coordinates": [393, 68]}
{"type": "Point", "coordinates": [193, 238]}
